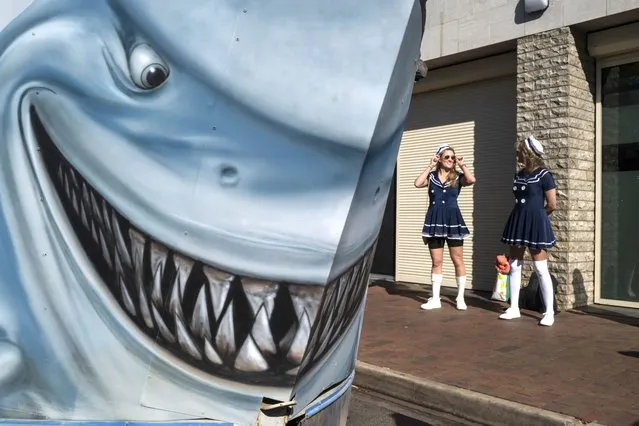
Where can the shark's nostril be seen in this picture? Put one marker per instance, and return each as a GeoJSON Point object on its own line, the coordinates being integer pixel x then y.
{"type": "Point", "coordinates": [229, 176]}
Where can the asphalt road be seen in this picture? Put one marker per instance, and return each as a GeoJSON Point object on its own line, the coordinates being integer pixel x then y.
{"type": "Point", "coordinates": [368, 409]}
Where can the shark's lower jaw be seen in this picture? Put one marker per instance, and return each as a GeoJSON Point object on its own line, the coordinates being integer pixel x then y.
{"type": "Point", "coordinates": [241, 328]}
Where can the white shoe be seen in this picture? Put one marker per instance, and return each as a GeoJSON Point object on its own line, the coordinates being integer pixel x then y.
{"type": "Point", "coordinates": [511, 313]}
{"type": "Point", "coordinates": [547, 320]}
{"type": "Point", "coordinates": [461, 304]}
{"type": "Point", "coordinates": [431, 304]}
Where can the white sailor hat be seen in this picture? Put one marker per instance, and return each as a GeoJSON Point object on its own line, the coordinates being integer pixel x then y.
{"type": "Point", "coordinates": [441, 149]}
{"type": "Point", "coordinates": [534, 146]}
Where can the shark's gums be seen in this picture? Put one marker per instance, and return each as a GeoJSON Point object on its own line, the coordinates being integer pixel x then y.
{"type": "Point", "coordinates": [190, 199]}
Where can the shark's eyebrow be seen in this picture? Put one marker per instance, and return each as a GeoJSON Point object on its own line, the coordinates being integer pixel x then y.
{"type": "Point", "coordinates": [123, 25]}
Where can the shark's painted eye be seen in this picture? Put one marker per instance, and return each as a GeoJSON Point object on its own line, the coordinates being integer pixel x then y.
{"type": "Point", "coordinates": [147, 69]}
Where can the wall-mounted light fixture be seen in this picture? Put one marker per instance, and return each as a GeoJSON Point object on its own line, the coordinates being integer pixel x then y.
{"type": "Point", "coordinates": [535, 6]}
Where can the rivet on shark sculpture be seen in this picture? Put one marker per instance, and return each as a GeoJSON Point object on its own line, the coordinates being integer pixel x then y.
{"type": "Point", "coordinates": [190, 198]}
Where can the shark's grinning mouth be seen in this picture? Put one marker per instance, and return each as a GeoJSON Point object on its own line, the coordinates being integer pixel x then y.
{"type": "Point", "coordinates": [242, 328]}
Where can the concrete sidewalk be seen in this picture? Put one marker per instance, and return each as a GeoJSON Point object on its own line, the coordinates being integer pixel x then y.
{"type": "Point", "coordinates": [583, 370]}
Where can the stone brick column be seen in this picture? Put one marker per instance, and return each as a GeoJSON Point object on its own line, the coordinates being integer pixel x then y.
{"type": "Point", "coordinates": [555, 103]}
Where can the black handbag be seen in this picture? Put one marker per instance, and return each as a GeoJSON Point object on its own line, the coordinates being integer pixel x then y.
{"type": "Point", "coordinates": [530, 295]}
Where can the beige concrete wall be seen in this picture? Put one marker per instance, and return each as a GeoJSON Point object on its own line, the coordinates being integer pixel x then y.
{"type": "Point", "coordinates": [455, 26]}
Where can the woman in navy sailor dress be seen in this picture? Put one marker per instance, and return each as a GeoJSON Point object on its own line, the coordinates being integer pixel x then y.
{"type": "Point", "coordinates": [444, 223]}
{"type": "Point", "coordinates": [528, 226]}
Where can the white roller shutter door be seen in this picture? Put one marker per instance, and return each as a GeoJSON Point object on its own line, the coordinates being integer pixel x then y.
{"type": "Point", "coordinates": [479, 121]}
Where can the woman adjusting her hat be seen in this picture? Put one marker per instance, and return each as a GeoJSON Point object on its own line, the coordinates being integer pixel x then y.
{"type": "Point", "coordinates": [528, 225]}
{"type": "Point", "coordinates": [444, 223]}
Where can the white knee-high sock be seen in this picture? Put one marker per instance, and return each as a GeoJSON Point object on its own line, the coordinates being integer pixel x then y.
{"type": "Point", "coordinates": [515, 282]}
{"type": "Point", "coordinates": [545, 284]}
{"type": "Point", "coordinates": [436, 281]}
{"type": "Point", "coordinates": [461, 285]}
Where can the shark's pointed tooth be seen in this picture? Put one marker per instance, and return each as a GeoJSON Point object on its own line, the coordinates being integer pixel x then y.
{"type": "Point", "coordinates": [105, 216]}
{"type": "Point", "coordinates": [144, 308]}
{"type": "Point", "coordinates": [345, 289]}
{"type": "Point", "coordinates": [285, 341]}
{"type": "Point", "coordinates": [306, 298]}
{"type": "Point", "coordinates": [137, 250]}
{"type": "Point", "coordinates": [175, 300]}
{"type": "Point", "coordinates": [326, 312]}
{"type": "Point", "coordinates": [183, 266]}
{"type": "Point", "coordinates": [156, 291]}
{"type": "Point", "coordinates": [219, 285]}
{"type": "Point", "coordinates": [330, 322]}
{"type": "Point", "coordinates": [83, 216]}
{"type": "Point", "coordinates": [293, 371]}
{"type": "Point", "coordinates": [211, 354]}
{"type": "Point", "coordinates": [85, 195]}
{"type": "Point", "coordinates": [105, 250]}
{"type": "Point", "coordinates": [120, 244]}
{"type": "Point", "coordinates": [74, 178]}
{"type": "Point", "coordinates": [185, 340]}
{"type": "Point", "coordinates": [67, 188]}
{"type": "Point", "coordinates": [60, 178]}
{"type": "Point", "coordinates": [126, 297]}
{"type": "Point", "coordinates": [74, 201]}
{"type": "Point", "coordinates": [164, 330]}
{"type": "Point", "coordinates": [298, 347]}
{"type": "Point", "coordinates": [262, 332]}
{"type": "Point", "coordinates": [249, 358]}
{"type": "Point", "coordinates": [85, 204]}
{"type": "Point", "coordinates": [260, 294]}
{"type": "Point", "coordinates": [200, 325]}
{"type": "Point", "coordinates": [225, 338]}
{"type": "Point", "coordinates": [158, 261]}
{"type": "Point", "coordinates": [94, 231]}
{"type": "Point", "coordinates": [117, 264]}
{"type": "Point", "coordinates": [97, 213]}
{"type": "Point", "coordinates": [326, 341]}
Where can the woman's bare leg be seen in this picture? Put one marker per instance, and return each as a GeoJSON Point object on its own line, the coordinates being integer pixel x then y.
{"type": "Point", "coordinates": [457, 256]}
{"type": "Point", "coordinates": [437, 259]}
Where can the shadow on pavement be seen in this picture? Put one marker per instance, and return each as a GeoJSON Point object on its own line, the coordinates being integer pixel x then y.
{"type": "Point", "coordinates": [620, 316]}
{"type": "Point", "coordinates": [415, 292]}
{"type": "Point", "coordinates": [402, 420]}
{"type": "Point", "coordinates": [421, 293]}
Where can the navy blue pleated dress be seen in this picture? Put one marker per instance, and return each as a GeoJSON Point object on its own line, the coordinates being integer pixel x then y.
{"type": "Point", "coordinates": [443, 217]}
{"type": "Point", "coordinates": [528, 224]}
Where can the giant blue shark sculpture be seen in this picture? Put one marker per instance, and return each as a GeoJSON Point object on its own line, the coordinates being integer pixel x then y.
{"type": "Point", "coordinates": [190, 196]}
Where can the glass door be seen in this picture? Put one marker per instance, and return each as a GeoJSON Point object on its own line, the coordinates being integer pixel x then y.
{"type": "Point", "coordinates": [619, 184]}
